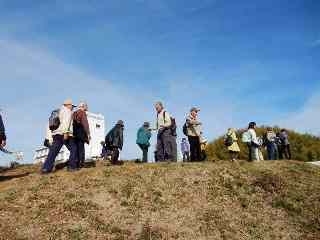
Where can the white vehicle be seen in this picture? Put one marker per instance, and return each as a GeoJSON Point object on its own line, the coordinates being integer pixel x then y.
{"type": "Point", "coordinates": [93, 150]}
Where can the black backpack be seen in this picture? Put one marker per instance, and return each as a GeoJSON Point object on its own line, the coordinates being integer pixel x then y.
{"type": "Point", "coordinates": [54, 120]}
{"type": "Point", "coordinates": [228, 141]}
{"type": "Point", "coordinates": [173, 126]}
{"type": "Point", "coordinates": [185, 129]}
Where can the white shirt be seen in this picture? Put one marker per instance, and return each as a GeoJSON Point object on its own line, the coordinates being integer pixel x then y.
{"type": "Point", "coordinates": [163, 120]}
{"type": "Point", "coordinates": [253, 135]}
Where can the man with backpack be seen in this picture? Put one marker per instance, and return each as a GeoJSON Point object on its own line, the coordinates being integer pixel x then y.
{"type": "Point", "coordinates": [61, 126]}
{"type": "Point", "coordinates": [193, 130]}
{"type": "Point", "coordinates": [166, 139]}
{"type": "Point", "coordinates": [114, 142]}
{"type": "Point", "coordinates": [81, 132]}
{"type": "Point", "coordinates": [3, 137]}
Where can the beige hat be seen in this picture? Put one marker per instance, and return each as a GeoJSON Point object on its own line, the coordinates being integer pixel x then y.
{"type": "Point", "coordinates": [68, 102]}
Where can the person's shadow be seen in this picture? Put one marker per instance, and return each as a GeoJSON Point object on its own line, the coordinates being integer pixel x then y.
{"type": "Point", "coordinates": [10, 177]}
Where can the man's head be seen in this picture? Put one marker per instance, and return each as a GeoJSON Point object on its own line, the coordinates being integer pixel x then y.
{"type": "Point", "coordinates": [194, 111]}
{"type": "Point", "coordinates": [146, 125]}
{"type": "Point", "coordinates": [252, 125]}
{"type": "Point", "coordinates": [68, 104]}
{"type": "Point", "coordinates": [269, 129]}
{"type": "Point", "coordinates": [159, 107]}
{"type": "Point", "coordinates": [120, 123]}
{"type": "Point", "coordinates": [83, 106]}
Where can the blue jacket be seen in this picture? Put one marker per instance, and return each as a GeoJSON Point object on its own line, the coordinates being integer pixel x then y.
{"type": "Point", "coordinates": [143, 136]}
{"type": "Point", "coordinates": [2, 130]}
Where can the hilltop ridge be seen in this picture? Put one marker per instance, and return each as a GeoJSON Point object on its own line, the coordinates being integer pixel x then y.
{"type": "Point", "coordinates": [211, 200]}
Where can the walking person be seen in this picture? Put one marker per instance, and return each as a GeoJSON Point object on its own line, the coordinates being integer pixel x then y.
{"type": "Point", "coordinates": [194, 134]}
{"type": "Point", "coordinates": [81, 132]}
{"type": "Point", "coordinates": [143, 140]}
{"type": "Point", "coordinates": [114, 142]}
{"type": "Point", "coordinates": [285, 148]}
{"type": "Point", "coordinates": [270, 143]}
{"type": "Point", "coordinates": [62, 134]}
{"type": "Point", "coordinates": [185, 150]}
{"type": "Point", "coordinates": [165, 149]}
{"type": "Point", "coordinates": [3, 137]}
{"type": "Point", "coordinates": [231, 141]}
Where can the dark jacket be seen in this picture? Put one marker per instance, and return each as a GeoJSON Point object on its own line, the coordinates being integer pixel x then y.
{"type": "Point", "coordinates": [2, 130]}
{"type": "Point", "coordinates": [115, 137]}
{"type": "Point", "coordinates": [81, 128]}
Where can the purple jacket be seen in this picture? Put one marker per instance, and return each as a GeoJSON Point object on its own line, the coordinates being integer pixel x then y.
{"type": "Point", "coordinates": [185, 147]}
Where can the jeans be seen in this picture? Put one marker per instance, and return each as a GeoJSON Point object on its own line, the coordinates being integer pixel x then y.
{"type": "Point", "coordinates": [285, 152]}
{"type": "Point", "coordinates": [57, 144]}
{"type": "Point", "coordinates": [115, 155]}
{"type": "Point", "coordinates": [81, 154]}
{"type": "Point", "coordinates": [272, 151]}
{"type": "Point", "coordinates": [186, 156]}
{"type": "Point", "coordinates": [165, 149]}
{"type": "Point", "coordinates": [144, 149]}
{"type": "Point", "coordinates": [195, 148]}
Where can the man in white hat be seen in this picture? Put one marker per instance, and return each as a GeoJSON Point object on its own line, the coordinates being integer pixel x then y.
{"type": "Point", "coordinates": [63, 135]}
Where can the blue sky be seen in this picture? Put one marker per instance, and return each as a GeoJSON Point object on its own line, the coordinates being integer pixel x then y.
{"type": "Point", "coordinates": [237, 60]}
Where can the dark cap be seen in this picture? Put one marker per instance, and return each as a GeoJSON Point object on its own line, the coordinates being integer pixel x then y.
{"type": "Point", "coordinates": [195, 109]}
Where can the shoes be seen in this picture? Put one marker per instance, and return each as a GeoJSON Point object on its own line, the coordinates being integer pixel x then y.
{"type": "Point", "coordinates": [73, 169]}
{"type": "Point", "coordinates": [44, 172]}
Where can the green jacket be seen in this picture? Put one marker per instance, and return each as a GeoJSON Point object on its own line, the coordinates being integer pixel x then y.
{"type": "Point", "coordinates": [143, 136]}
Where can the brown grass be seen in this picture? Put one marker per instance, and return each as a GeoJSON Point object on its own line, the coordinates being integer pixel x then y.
{"type": "Point", "coordinates": [220, 200]}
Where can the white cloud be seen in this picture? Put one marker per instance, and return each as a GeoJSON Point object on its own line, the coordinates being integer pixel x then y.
{"type": "Point", "coordinates": [306, 120]}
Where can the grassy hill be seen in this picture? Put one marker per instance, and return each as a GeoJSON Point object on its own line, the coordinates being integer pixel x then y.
{"type": "Point", "coordinates": [212, 200]}
{"type": "Point", "coordinates": [304, 147]}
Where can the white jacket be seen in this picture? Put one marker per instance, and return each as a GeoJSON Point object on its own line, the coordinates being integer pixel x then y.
{"type": "Point", "coordinates": [253, 135]}
{"type": "Point", "coordinates": [163, 120]}
{"type": "Point", "coordinates": [66, 122]}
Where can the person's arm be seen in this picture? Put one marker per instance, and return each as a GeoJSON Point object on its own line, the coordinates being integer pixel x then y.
{"type": "Point", "coordinates": [120, 138]}
{"type": "Point", "coordinates": [85, 124]}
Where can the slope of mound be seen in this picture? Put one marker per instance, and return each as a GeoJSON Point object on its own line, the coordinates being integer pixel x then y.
{"type": "Point", "coordinates": [304, 147]}
{"type": "Point", "coordinates": [268, 200]}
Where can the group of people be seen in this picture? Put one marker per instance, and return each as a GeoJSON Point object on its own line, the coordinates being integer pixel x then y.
{"type": "Point", "coordinates": [276, 144]}
{"type": "Point", "coordinates": [166, 128]}
{"type": "Point", "coordinates": [70, 127]}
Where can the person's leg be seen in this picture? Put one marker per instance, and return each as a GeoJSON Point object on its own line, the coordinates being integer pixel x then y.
{"type": "Point", "coordinates": [168, 146]}
{"type": "Point", "coordinates": [159, 152]}
{"type": "Point", "coordinates": [145, 154]}
{"type": "Point", "coordinates": [254, 153]}
{"type": "Point", "coordinates": [115, 155]}
{"type": "Point", "coordinates": [80, 153]}
{"type": "Point", "coordinates": [249, 152]}
{"type": "Point", "coordinates": [281, 152]}
{"type": "Point", "coordinates": [53, 153]}
{"type": "Point", "coordinates": [269, 151]}
{"type": "Point", "coordinates": [199, 155]}
{"type": "Point", "coordinates": [192, 149]}
{"type": "Point", "coordinates": [73, 159]}
{"type": "Point", "coordinates": [289, 152]}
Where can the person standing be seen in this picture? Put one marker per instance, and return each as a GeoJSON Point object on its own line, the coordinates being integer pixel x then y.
{"type": "Point", "coordinates": [165, 150]}
{"type": "Point", "coordinates": [231, 141]}
{"type": "Point", "coordinates": [143, 140]}
{"type": "Point", "coordinates": [194, 134]}
{"type": "Point", "coordinates": [62, 135]}
{"type": "Point", "coordinates": [185, 150]}
{"type": "Point", "coordinates": [81, 132]}
{"type": "Point", "coordinates": [3, 137]}
{"type": "Point", "coordinates": [254, 143]}
{"type": "Point", "coordinates": [270, 142]}
{"type": "Point", "coordinates": [285, 148]}
{"type": "Point", "coordinates": [114, 142]}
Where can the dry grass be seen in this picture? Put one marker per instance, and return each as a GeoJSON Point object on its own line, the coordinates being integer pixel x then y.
{"type": "Point", "coordinates": [221, 200]}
